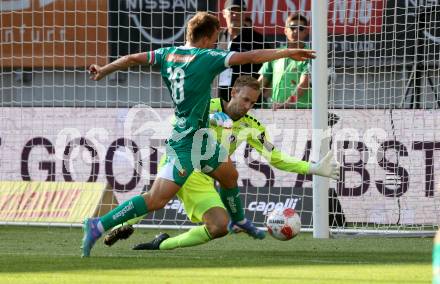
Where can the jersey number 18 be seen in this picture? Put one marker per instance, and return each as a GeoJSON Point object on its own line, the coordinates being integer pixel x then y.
{"type": "Point", "coordinates": [177, 79]}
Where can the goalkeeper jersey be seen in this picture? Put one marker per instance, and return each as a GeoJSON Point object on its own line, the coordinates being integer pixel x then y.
{"type": "Point", "coordinates": [249, 129]}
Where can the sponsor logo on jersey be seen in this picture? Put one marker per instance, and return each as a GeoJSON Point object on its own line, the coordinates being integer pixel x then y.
{"type": "Point", "coordinates": [217, 53]}
{"type": "Point", "coordinates": [180, 58]}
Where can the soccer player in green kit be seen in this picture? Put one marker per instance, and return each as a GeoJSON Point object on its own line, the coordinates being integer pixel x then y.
{"type": "Point", "coordinates": [199, 196]}
{"type": "Point", "coordinates": [188, 72]}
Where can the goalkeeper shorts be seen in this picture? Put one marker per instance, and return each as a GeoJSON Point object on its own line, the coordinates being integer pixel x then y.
{"type": "Point", "coordinates": [198, 195]}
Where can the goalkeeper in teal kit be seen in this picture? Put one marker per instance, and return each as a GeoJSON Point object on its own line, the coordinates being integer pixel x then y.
{"type": "Point", "coordinates": [202, 203]}
{"type": "Point", "coordinates": [188, 72]}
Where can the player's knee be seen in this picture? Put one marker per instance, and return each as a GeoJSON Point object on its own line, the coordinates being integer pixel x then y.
{"type": "Point", "coordinates": [154, 203]}
{"type": "Point", "coordinates": [231, 180]}
{"type": "Point", "coordinates": [234, 175]}
{"type": "Point", "coordinates": [235, 178]}
{"type": "Point", "coordinates": [216, 222]}
{"type": "Point", "coordinates": [217, 229]}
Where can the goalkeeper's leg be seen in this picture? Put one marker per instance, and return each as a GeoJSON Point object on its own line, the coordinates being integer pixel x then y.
{"type": "Point", "coordinates": [436, 260]}
{"type": "Point", "coordinates": [216, 226]}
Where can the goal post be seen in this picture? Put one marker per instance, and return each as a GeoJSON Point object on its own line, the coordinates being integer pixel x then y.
{"type": "Point", "coordinates": [320, 141]}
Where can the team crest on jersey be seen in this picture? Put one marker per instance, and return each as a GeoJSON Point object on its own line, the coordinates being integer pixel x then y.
{"type": "Point", "coordinates": [181, 122]}
{"type": "Point", "coordinates": [182, 173]}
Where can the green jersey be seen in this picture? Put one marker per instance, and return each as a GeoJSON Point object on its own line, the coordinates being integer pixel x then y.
{"type": "Point", "coordinates": [188, 73]}
{"type": "Point", "coordinates": [285, 74]}
{"type": "Point", "coordinates": [249, 129]}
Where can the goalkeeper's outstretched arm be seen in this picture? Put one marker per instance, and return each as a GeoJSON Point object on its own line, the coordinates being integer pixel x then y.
{"type": "Point", "coordinates": [327, 167]}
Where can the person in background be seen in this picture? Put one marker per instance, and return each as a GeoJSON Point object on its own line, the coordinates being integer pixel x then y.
{"type": "Point", "coordinates": [285, 81]}
{"type": "Point", "coordinates": [238, 36]}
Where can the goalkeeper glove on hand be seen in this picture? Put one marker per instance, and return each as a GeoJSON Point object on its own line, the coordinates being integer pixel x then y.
{"type": "Point", "coordinates": [327, 167]}
{"type": "Point", "coordinates": [220, 119]}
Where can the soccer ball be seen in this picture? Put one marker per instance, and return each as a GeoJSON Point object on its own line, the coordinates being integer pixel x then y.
{"type": "Point", "coordinates": [283, 224]}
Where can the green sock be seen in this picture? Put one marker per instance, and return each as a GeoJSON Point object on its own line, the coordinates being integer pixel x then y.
{"type": "Point", "coordinates": [436, 264]}
{"type": "Point", "coordinates": [231, 200]}
{"type": "Point", "coordinates": [128, 210]}
{"type": "Point", "coordinates": [196, 236]}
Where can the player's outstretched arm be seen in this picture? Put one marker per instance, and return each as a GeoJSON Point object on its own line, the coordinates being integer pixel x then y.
{"type": "Point", "coordinates": [259, 140]}
{"type": "Point", "coordinates": [264, 55]}
{"type": "Point", "coordinates": [98, 72]}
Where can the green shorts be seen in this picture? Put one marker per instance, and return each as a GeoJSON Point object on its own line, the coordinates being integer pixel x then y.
{"type": "Point", "coordinates": [198, 152]}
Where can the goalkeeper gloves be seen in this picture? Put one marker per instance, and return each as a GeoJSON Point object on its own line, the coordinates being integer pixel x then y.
{"type": "Point", "coordinates": [220, 119]}
{"type": "Point", "coordinates": [327, 167]}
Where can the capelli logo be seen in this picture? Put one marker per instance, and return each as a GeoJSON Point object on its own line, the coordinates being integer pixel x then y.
{"type": "Point", "coordinates": [266, 207]}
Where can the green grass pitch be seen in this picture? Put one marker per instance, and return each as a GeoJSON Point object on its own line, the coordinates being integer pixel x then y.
{"type": "Point", "coordinates": [52, 255]}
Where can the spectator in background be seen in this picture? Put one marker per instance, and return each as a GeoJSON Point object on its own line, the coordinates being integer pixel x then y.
{"type": "Point", "coordinates": [238, 36]}
{"type": "Point", "coordinates": [247, 22]}
{"type": "Point", "coordinates": [286, 81]}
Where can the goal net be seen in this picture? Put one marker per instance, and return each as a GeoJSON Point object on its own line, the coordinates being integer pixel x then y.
{"type": "Point", "coordinates": [58, 126]}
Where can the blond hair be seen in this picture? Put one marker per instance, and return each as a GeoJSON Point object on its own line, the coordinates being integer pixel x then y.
{"type": "Point", "coordinates": [201, 25]}
{"type": "Point", "coordinates": [247, 81]}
